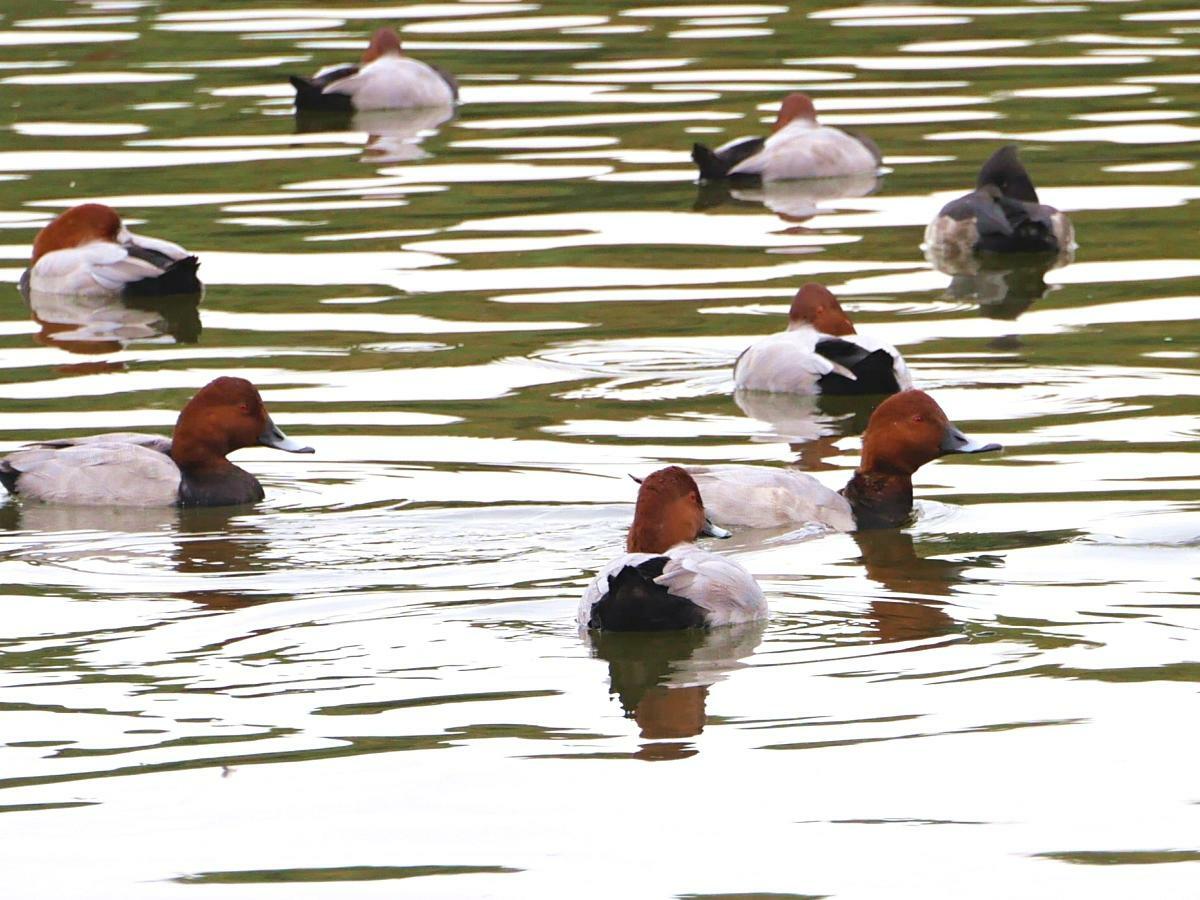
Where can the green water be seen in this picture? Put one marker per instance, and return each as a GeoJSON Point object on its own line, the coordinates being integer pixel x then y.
{"type": "Point", "coordinates": [371, 684]}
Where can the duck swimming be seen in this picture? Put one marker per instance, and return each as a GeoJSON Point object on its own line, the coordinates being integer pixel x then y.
{"type": "Point", "coordinates": [820, 353]}
{"type": "Point", "coordinates": [1002, 215]}
{"type": "Point", "coordinates": [905, 432]}
{"type": "Point", "coordinates": [128, 469]}
{"type": "Point", "coordinates": [665, 581]}
{"type": "Point", "coordinates": [796, 148]}
{"type": "Point", "coordinates": [384, 79]}
{"type": "Point", "coordinates": [88, 251]}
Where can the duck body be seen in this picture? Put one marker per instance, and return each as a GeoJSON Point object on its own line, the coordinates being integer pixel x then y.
{"type": "Point", "coordinates": [798, 147]}
{"type": "Point", "coordinates": [685, 587]}
{"type": "Point", "coordinates": [907, 430]}
{"type": "Point", "coordinates": [385, 79]}
{"type": "Point", "coordinates": [820, 353]}
{"type": "Point", "coordinates": [131, 469]}
{"type": "Point", "coordinates": [664, 581]}
{"type": "Point", "coordinates": [87, 251]}
{"type": "Point", "coordinates": [1002, 215]}
{"type": "Point", "coordinates": [759, 497]}
{"type": "Point", "coordinates": [804, 361]}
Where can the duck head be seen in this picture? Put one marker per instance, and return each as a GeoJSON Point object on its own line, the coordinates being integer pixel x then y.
{"type": "Point", "coordinates": [1003, 170]}
{"type": "Point", "coordinates": [383, 42]}
{"type": "Point", "coordinates": [815, 306]}
{"type": "Point", "coordinates": [909, 429]}
{"type": "Point", "coordinates": [225, 415]}
{"type": "Point", "coordinates": [795, 106]}
{"type": "Point", "coordinates": [77, 226]}
{"type": "Point", "coordinates": [669, 511]}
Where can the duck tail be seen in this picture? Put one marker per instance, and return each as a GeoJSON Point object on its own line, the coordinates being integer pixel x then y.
{"type": "Point", "coordinates": [634, 602]}
{"type": "Point", "coordinates": [8, 476]}
{"type": "Point", "coordinates": [177, 278]}
{"type": "Point", "coordinates": [712, 167]}
{"type": "Point", "coordinates": [310, 96]}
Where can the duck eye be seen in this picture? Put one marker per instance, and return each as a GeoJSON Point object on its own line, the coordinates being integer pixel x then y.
{"type": "Point", "coordinates": [918, 418]}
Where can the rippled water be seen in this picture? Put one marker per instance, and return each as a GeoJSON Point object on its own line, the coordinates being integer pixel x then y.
{"type": "Point", "coordinates": [373, 679]}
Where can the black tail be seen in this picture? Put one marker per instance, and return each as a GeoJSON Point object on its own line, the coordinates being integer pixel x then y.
{"type": "Point", "coordinates": [309, 96]}
{"type": "Point", "coordinates": [715, 165]}
{"type": "Point", "coordinates": [635, 603]}
{"type": "Point", "coordinates": [8, 477]}
{"type": "Point", "coordinates": [711, 166]}
{"type": "Point", "coordinates": [1030, 230]}
{"type": "Point", "coordinates": [178, 277]}
{"type": "Point", "coordinates": [874, 373]}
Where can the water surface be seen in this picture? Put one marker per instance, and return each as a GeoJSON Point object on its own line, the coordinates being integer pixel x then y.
{"type": "Point", "coordinates": [485, 321]}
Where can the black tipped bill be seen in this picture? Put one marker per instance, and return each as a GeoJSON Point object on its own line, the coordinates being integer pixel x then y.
{"type": "Point", "coordinates": [272, 437]}
{"type": "Point", "coordinates": [954, 441]}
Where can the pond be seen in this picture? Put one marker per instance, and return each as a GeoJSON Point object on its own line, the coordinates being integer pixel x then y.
{"type": "Point", "coordinates": [372, 684]}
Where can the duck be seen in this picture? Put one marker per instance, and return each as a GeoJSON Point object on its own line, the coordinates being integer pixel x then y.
{"type": "Point", "coordinates": [383, 79]}
{"type": "Point", "coordinates": [88, 251]}
{"type": "Point", "coordinates": [664, 581]}
{"type": "Point", "coordinates": [1002, 215]}
{"type": "Point", "coordinates": [906, 431]}
{"type": "Point", "coordinates": [797, 147]}
{"type": "Point", "coordinates": [130, 469]}
{"type": "Point", "coordinates": [820, 353]}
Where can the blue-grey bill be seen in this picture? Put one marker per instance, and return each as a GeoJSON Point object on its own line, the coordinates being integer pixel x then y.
{"type": "Point", "coordinates": [272, 437]}
{"type": "Point", "coordinates": [711, 530]}
{"type": "Point", "coordinates": [954, 441]}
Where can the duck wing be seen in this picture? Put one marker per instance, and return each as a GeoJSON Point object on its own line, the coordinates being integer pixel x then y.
{"type": "Point", "coordinates": [93, 473]}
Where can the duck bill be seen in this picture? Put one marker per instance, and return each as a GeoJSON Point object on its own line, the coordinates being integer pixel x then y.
{"type": "Point", "coordinates": [954, 441]}
{"type": "Point", "coordinates": [711, 530]}
{"type": "Point", "coordinates": [272, 437]}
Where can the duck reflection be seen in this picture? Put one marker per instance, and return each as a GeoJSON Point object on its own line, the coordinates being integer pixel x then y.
{"type": "Point", "coordinates": [221, 541]}
{"type": "Point", "coordinates": [890, 558]}
{"type": "Point", "coordinates": [792, 201]}
{"type": "Point", "coordinates": [811, 424]}
{"type": "Point", "coordinates": [215, 541]}
{"type": "Point", "coordinates": [662, 678]}
{"type": "Point", "coordinates": [1003, 284]}
{"type": "Point", "coordinates": [393, 135]}
{"type": "Point", "coordinates": [107, 324]}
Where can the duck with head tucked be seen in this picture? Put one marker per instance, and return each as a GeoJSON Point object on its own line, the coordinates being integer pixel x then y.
{"type": "Point", "coordinates": [797, 147]}
{"type": "Point", "coordinates": [665, 581]}
{"type": "Point", "coordinates": [905, 432]}
{"type": "Point", "coordinates": [88, 251]}
{"type": "Point", "coordinates": [129, 469]}
{"type": "Point", "coordinates": [1002, 215]}
{"type": "Point", "coordinates": [820, 353]}
{"type": "Point", "coordinates": [384, 79]}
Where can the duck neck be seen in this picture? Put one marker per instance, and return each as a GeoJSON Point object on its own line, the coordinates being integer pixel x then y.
{"type": "Point", "coordinates": [197, 453]}
{"type": "Point", "coordinates": [879, 499]}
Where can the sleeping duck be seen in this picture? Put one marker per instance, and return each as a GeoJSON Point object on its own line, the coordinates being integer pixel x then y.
{"type": "Point", "coordinates": [384, 79]}
{"type": "Point", "coordinates": [820, 353]}
{"type": "Point", "coordinates": [797, 147]}
{"type": "Point", "coordinates": [1002, 215]}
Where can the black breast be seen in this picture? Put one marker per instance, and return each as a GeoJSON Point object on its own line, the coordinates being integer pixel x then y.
{"type": "Point", "coordinates": [634, 602]}
{"type": "Point", "coordinates": [229, 487]}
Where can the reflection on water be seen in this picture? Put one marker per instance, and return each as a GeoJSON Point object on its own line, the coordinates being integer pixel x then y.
{"type": "Point", "coordinates": [662, 680]}
{"type": "Point", "coordinates": [484, 321]}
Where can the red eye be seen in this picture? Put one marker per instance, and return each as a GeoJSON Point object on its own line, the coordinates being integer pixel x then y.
{"type": "Point", "coordinates": [918, 418]}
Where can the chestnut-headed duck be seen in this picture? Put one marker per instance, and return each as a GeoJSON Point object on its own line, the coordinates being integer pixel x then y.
{"type": "Point", "coordinates": [665, 581]}
{"type": "Point", "coordinates": [906, 431]}
{"type": "Point", "coordinates": [1002, 215]}
{"type": "Point", "coordinates": [797, 147]}
{"type": "Point", "coordinates": [88, 251]}
{"type": "Point", "coordinates": [128, 469]}
{"type": "Point", "coordinates": [383, 79]}
{"type": "Point", "coordinates": [820, 353]}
